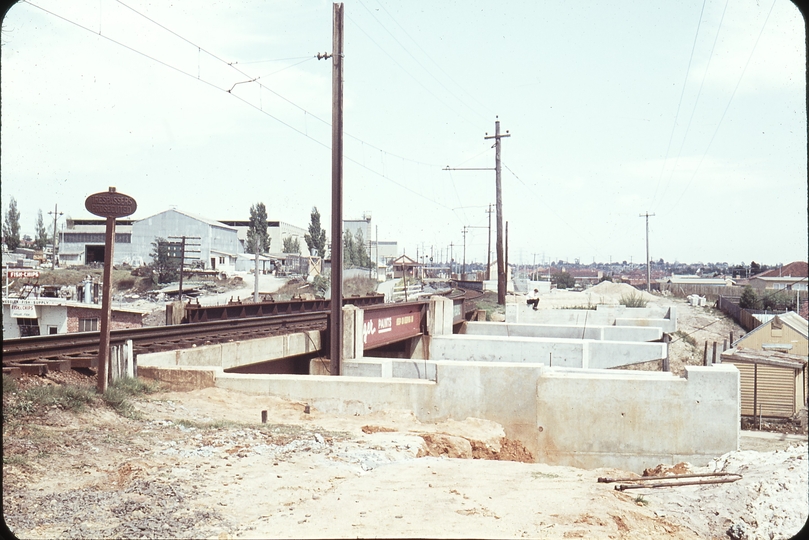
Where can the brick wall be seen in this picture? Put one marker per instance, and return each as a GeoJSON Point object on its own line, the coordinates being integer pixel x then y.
{"type": "Point", "coordinates": [119, 319]}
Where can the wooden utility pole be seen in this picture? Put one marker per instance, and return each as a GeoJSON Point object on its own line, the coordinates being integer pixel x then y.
{"type": "Point", "coordinates": [489, 247]}
{"type": "Point", "coordinates": [505, 257]}
{"type": "Point", "coordinates": [464, 251]}
{"type": "Point", "coordinates": [501, 274]}
{"type": "Point", "coordinates": [56, 214]}
{"type": "Point", "coordinates": [648, 271]}
{"type": "Point", "coordinates": [336, 322]}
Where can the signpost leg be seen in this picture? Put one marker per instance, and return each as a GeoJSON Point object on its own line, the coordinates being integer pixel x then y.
{"type": "Point", "coordinates": [106, 307]}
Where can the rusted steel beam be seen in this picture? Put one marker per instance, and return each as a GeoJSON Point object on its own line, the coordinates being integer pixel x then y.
{"type": "Point", "coordinates": [31, 368]}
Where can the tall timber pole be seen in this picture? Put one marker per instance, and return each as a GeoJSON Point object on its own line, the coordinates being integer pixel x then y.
{"type": "Point", "coordinates": [501, 273]}
{"type": "Point", "coordinates": [336, 324]}
{"type": "Point", "coordinates": [648, 271]}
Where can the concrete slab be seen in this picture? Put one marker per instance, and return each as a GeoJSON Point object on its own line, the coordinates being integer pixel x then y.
{"type": "Point", "coordinates": [602, 333]}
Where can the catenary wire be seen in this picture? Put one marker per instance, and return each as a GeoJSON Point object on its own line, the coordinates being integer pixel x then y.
{"type": "Point", "coordinates": [679, 104]}
{"type": "Point", "coordinates": [726, 109]}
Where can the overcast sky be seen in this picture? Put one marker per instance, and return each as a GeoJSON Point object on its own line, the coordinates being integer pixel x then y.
{"type": "Point", "coordinates": [694, 111]}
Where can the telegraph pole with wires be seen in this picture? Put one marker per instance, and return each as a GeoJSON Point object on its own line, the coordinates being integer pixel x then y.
{"type": "Point", "coordinates": [489, 248]}
{"type": "Point", "coordinates": [501, 275]}
{"type": "Point", "coordinates": [56, 215]}
{"type": "Point", "coordinates": [501, 271]}
{"type": "Point", "coordinates": [648, 271]}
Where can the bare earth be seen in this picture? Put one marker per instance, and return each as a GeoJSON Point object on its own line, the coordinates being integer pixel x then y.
{"type": "Point", "coordinates": [202, 465]}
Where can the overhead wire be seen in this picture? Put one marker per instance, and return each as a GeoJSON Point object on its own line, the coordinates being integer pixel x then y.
{"type": "Point", "coordinates": [419, 62]}
{"type": "Point", "coordinates": [541, 200]}
{"type": "Point", "coordinates": [431, 59]}
{"type": "Point", "coordinates": [679, 104]}
{"type": "Point", "coordinates": [718, 125]}
{"type": "Point", "coordinates": [410, 74]}
{"type": "Point", "coordinates": [696, 102]}
{"type": "Point", "coordinates": [286, 124]}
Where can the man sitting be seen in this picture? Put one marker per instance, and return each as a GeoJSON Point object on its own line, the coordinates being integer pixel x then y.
{"type": "Point", "coordinates": [533, 298]}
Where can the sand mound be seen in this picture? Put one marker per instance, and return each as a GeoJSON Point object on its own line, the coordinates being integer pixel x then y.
{"type": "Point", "coordinates": [617, 290]}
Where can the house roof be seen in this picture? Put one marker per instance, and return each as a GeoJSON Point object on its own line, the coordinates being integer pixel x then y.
{"type": "Point", "coordinates": [791, 319]}
{"type": "Point", "coordinates": [773, 358]}
{"type": "Point", "coordinates": [207, 221]}
{"type": "Point", "coordinates": [793, 269]}
{"type": "Point", "coordinates": [404, 260]}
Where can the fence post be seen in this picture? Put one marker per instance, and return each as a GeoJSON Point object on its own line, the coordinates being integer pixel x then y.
{"type": "Point", "coordinates": [724, 345]}
{"type": "Point", "coordinates": [714, 352]}
{"type": "Point", "coordinates": [705, 355]}
{"type": "Point", "coordinates": [666, 340]}
{"type": "Point", "coordinates": [731, 339]}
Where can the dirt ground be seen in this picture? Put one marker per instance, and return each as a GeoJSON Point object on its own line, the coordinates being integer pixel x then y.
{"type": "Point", "coordinates": [202, 465]}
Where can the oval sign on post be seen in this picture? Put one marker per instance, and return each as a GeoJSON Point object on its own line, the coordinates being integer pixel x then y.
{"type": "Point", "coordinates": [110, 204]}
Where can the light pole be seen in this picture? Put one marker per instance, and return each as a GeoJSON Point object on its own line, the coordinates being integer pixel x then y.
{"type": "Point", "coordinates": [56, 214]}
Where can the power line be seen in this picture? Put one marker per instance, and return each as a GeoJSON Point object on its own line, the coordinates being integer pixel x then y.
{"type": "Point", "coordinates": [417, 60]}
{"type": "Point", "coordinates": [682, 92]}
{"type": "Point", "coordinates": [694, 109]}
{"type": "Point", "coordinates": [408, 73]}
{"type": "Point", "coordinates": [328, 147]}
{"type": "Point", "coordinates": [726, 109]}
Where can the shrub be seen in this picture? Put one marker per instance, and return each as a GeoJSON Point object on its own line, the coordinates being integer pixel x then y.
{"type": "Point", "coordinates": [749, 299]}
{"type": "Point", "coordinates": [634, 299]}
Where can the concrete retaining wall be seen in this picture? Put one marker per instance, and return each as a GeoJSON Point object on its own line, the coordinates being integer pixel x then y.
{"type": "Point", "coordinates": [604, 333]}
{"type": "Point", "coordinates": [665, 319]}
{"type": "Point", "coordinates": [236, 353]}
{"type": "Point", "coordinates": [588, 418]}
{"type": "Point", "coordinates": [614, 419]}
{"type": "Point", "coordinates": [581, 353]}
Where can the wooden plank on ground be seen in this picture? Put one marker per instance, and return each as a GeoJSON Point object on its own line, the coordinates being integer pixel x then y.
{"type": "Point", "coordinates": [13, 372]}
{"type": "Point", "coordinates": [84, 362]}
{"type": "Point", "coordinates": [57, 365]}
{"type": "Point", "coordinates": [32, 368]}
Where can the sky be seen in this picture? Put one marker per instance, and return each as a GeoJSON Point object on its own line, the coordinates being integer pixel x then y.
{"type": "Point", "coordinates": [693, 111]}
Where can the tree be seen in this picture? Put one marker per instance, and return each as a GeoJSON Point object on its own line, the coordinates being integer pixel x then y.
{"type": "Point", "coordinates": [42, 237]}
{"type": "Point", "coordinates": [749, 299]}
{"type": "Point", "coordinates": [11, 226]}
{"type": "Point", "coordinates": [258, 238]}
{"type": "Point", "coordinates": [291, 245]}
{"type": "Point", "coordinates": [360, 257]}
{"type": "Point", "coordinates": [348, 249]}
{"type": "Point", "coordinates": [564, 280]}
{"type": "Point", "coordinates": [165, 268]}
{"type": "Point", "coordinates": [755, 268]}
{"type": "Point", "coordinates": [316, 238]}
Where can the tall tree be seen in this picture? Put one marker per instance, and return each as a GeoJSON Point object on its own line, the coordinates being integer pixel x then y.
{"type": "Point", "coordinates": [258, 238]}
{"type": "Point", "coordinates": [11, 226]}
{"type": "Point", "coordinates": [316, 237]}
{"type": "Point", "coordinates": [349, 250]}
{"type": "Point", "coordinates": [361, 257]}
{"type": "Point", "coordinates": [42, 237]}
{"type": "Point", "coordinates": [165, 268]}
{"type": "Point", "coordinates": [291, 245]}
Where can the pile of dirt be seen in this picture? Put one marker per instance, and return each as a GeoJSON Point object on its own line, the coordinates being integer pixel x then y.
{"type": "Point", "coordinates": [614, 291]}
{"type": "Point", "coordinates": [666, 470]}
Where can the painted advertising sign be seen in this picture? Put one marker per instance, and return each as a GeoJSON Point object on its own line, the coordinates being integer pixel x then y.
{"type": "Point", "coordinates": [390, 324]}
{"type": "Point", "coordinates": [23, 274]}
{"type": "Point", "coordinates": [110, 204]}
{"type": "Point", "coordinates": [23, 309]}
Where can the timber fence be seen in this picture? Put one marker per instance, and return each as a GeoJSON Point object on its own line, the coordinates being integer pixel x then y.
{"type": "Point", "coordinates": [711, 292]}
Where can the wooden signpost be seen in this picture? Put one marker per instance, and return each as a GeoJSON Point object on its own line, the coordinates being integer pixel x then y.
{"type": "Point", "coordinates": [110, 205]}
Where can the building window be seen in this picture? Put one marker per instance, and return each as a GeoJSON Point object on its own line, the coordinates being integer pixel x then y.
{"type": "Point", "coordinates": [52, 330]}
{"type": "Point", "coordinates": [28, 327]}
{"type": "Point", "coordinates": [88, 325]}
{"type": "Point", "coordinates": [221, 260]}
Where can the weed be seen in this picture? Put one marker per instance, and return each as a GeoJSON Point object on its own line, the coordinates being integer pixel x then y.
{"type": "Point", "coordinates": [117, 398]}
{"type": "Point", "coordinates": [213, 424]}
{"type": "Point", "coordinates": [17, 459]}
{"type": "Point", "coordinates": [589, 305]}
{"type": "Point", "coordinates": [9, 385]}
{"type": "Point", "coordinates": [65, 396]}
{"type": "Point", "coordinates": [634, 300]}
{"type": "Point", "coordinates": [640, 500]}
{"type": "Point", "coordinates": [538, 475]}
{"type": "Point", "coordinates": [686, 337]}
{"type": "Point", "coordinates": [132, 386]}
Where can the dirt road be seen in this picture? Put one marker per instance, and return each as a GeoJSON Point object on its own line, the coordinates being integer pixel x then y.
{"type": "Point", "coordinates": [201, 465]}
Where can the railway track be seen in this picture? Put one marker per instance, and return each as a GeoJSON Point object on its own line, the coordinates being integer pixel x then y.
{"type": "Point", "coordinates": [82, 348]}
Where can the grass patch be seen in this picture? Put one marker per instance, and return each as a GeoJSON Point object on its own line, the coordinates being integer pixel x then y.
{"type": "Point", "coordinates": [118, 394]}
{"type": "Point", "coordinates": [582, 306]}
{"type": "Point", "coordinates": [634, 300]}
{"type": "Point", "coordinates": [9, 385]}
{"type": "Point", "coordinates": [686, 337]}
{"type": "Point", "coordinates": [17, 459]}
{"type": "Point", "coordinates": [640, 500]}
{"type": "Point", "coordinates": [212, 424]}
{"type": "Point", "coordinates": [488, 303]}
{"type": "Point", "coordinates": [64, 396]}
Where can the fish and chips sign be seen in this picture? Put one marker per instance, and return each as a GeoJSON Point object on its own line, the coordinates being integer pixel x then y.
{"type": "Point", "coordinates": [23, 309]}
{"type": "Point", "coordinates": [22, 274]}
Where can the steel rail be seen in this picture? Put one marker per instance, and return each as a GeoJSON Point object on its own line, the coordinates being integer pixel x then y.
{"type": "Point", "coordinates": [35, 347]}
